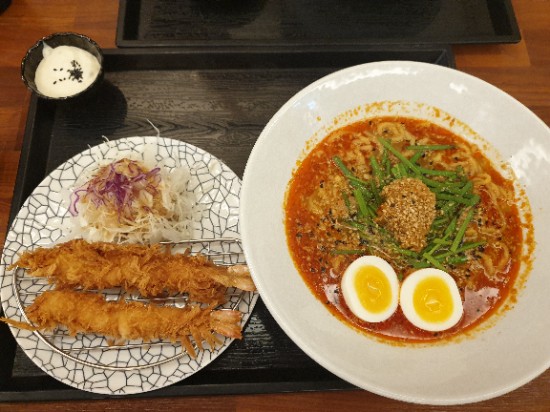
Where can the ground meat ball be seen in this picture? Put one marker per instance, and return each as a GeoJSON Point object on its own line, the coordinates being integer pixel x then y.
{"type": "Point", "coordinates": [407, 211]}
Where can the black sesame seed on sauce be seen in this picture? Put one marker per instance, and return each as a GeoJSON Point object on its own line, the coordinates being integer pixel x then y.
{"type": "Point", "coordinates": [75, 74]}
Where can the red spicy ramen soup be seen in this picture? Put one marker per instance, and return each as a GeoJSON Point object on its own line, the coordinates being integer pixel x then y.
{"type": "Point", "coordinates": [352, 196]}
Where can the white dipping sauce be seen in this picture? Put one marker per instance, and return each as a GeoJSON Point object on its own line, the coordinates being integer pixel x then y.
{"type": "Point", "coordinates": [65, 71]}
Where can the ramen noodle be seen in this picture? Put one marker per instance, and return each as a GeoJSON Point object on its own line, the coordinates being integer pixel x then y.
{"type": "Point", "coordinates": [414, 194]}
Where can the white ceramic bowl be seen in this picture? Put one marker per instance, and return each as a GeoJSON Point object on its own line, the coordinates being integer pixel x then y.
{"type": "Point", "coordinates": [515, 348]}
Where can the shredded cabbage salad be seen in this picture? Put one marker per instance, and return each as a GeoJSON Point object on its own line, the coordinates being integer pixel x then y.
{"type": "Point", "coordinates": [127, 202]}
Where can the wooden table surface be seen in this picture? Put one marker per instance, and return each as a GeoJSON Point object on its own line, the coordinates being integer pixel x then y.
{"type": "Point", "coordinates": [522, 70]}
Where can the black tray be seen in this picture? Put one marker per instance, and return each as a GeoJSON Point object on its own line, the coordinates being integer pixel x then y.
{"type": "Point", "coordinates": [219, 101]}
{"type": "Point", "coordinates": [290, 23]}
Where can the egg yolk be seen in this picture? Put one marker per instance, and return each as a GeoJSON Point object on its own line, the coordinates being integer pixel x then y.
{"type": "Point", "coordinates": [373, 289]}
{"type": "Point", "coordinates": [432, 300]}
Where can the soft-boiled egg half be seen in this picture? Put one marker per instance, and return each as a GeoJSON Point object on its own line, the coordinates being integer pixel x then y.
{"type": "Point", "coordinates": [430, 300]}
{"type": "Point", "coordinates": [371, 289]}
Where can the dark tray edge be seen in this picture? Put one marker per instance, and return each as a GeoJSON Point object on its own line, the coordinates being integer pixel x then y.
{"type": "Point", "coordinates": [257, 388]}
{"type": "Point", "coordinates": [25, 159]}
{"type": "Point", "coordinates": [123, 40]}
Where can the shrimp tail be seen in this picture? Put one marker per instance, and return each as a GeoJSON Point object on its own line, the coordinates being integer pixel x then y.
{"type": "Point", "coordinates": [240, 278]}
{"type": "Point", "coordinates": [20, 325]}
{"type": "Point", "coordinates": [227, 323]}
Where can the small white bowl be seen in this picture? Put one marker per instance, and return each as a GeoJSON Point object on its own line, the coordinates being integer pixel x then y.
{"type": "Point", "coordinates": [34, 56]}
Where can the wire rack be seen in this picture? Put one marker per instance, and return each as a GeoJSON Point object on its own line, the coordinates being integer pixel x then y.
{"type": "Point", "coordinates": [99, 351]}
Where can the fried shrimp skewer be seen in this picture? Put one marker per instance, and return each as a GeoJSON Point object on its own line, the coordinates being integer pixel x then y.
{"type": "Point", "coordinates": [150, 270]}
{"type": "Point", "coordinates": [120, 320]}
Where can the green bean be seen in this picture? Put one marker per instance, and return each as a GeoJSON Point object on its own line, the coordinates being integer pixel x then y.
{"type": "Point", "coordinates": [432, 249]}
{"type": "Point", "coordinates": [420, 264]}
{"type": "Point", "coordinates": [456, 189]}
{"type": "Point", "coordinates": [437, 243]}
{"type": "Point", "coordinates": [437, 223]}
{"type": "Point", "coordinates": [396, 172]}
{"type": "Point", "coordinates": [457, 260]}
{"type": "Point", "coordinates": [451, 228]}
{"type": "Point", "coordinates": [415, 157]}
{"type": "Point", "coordinates": [338, 162]}
{"type": "Point", "coordinates": [346, 201]}
{"type": "Point", "coordinates": [406, 252]}
{"type": "Point", "coordinates": [354, 181]}
{"type": "Point", "coordinates": [360, 202]}
{"type": "Point", "coordinates": [462, 230]}
{"type": "Point", "coordinates": [376, 169]}
{"type": "Point", "coordinates": [461, 249]}
{"type": "Point", "coordinates": [364, 208]}
{"type": "Point", "coordinates": [400, 156]}
{"type": "Point", "coordinates": [469, 246]}
{"type": "Point", "coordinates": [386, 162]}
{"type": "Point", "coordinates": [433, 261]}
{"type": "Point", "coordinates": [403, 171]}
{"type": "Point", "coordinates": [449, 208]}
{"type": "Point", "coordinates": [467, 187]}
{"type": "Point", "coordinates": [375, 194]}
{"type": "Point", "coordinates": [433, 183]}
{"type": "Point", "coordinates": [468, 201]}
{"type": "Point", "coordinates": [439, 185]}
{"type": "Point", "coordinates": [434, 172]}
{"type": "Point", "coordinates": [355, 225]}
